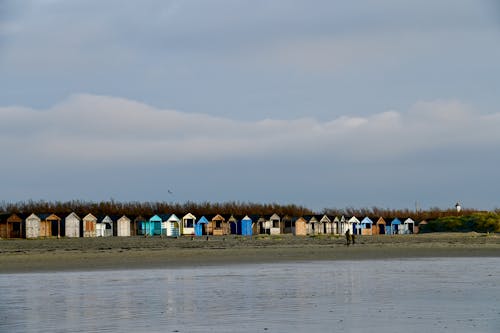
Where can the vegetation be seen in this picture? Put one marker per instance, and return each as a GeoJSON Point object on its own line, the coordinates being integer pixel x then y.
{"type": "Point", "coordinates": [479, 222]}
{"type": "Point", "coordinates": [146, 209]}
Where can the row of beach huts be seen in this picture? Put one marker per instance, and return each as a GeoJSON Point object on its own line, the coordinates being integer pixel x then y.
{"type": "Point", "coordinates": [171, 225]}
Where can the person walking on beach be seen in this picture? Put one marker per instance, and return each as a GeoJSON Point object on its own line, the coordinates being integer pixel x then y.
{"type": "Point", "coordinates": [353, 238]}
{"type": "Point", "coordinates": [348, 237]}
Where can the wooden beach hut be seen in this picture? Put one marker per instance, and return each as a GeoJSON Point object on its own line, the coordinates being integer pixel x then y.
{"type": "Point", "coordinates": [421, 225]}
{"type": "Point", "coordinates": [123, 226]}
{"type": "Point", "coordinates": [336, 225]}
{"type": "Point", "coordinates": [275, 224]}
{"type": "Point", "coordinates": [343, 225]}
{"type": "Point", "coordinates": [261, 225]}
{"type": "Point", "coordinates": [287, 223]}
{"type": "Point", "coordinates": [245, 224]}
{"type": "Point", "coordinates": [50, 225]}
{"type": "Point", "coordinates": [11, 226]}
{"type": "Point", "coordinates": [201, 228]}
{"type": "Point", "coordinates": [300, 226]}
{"type": "Point", "coordinates": [89, 225]}
{"type": "Point", "coordinates": [366, 226]}
{"type": "Point", "coordinates": [312, 224]}
{"type": "Point", "coordinates": [326, 224]}
{"type": "Point", "coordinates": [233, 225]}
{"type": "Point", "coordinates": [171, 225]}
{"type": "Point", "coordinates": [379, 227]}
{"type": "Point", "coordinates": [188, 224]}
{"type": "Point", "coordinates": [72, 225]}
{"type": "Point", "coordinates": [136, 225]}
{"type": "Point", "coordinates": [218, 226]}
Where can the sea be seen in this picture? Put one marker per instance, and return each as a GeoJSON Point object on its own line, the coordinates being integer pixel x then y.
{"type": "Point", "coordinates": [407, 295]}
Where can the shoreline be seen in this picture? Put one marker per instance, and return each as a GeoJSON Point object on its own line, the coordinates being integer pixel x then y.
{"type": "Point", "coordinates": [85, 254]}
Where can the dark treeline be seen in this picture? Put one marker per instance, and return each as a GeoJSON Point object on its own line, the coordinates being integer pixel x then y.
{"type": "Point", "coordinates": [146, 209]}
{"type": "Point", "coordinates": [420, 215]}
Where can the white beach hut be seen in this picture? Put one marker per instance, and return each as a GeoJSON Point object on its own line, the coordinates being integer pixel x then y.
{"type": "Point", "coordinates": [123, 227]}
{"type": "Point", "coordinates": [72, 225]}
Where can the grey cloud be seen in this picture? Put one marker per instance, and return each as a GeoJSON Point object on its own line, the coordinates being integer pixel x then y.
{"type": "Point", "coordinates": [103, 128]}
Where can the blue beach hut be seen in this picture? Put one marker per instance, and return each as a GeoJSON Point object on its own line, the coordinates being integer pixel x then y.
{"type": "Point", "coordinates": [366, 226]}
{"type": "Point", "coordinates": [151, 227]}
{"type": "Point", "coordinates": [395, 226]}
{"type": "Point", "coordinates": [200, 227]}
{"type": "Point", "coordinates": [245, 226]}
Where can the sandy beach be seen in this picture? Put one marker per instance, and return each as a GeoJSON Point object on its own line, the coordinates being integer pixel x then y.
{"type": "Point", "coordinates": [42, 255]}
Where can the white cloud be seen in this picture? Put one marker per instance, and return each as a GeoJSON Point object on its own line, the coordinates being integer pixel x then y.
{"type": "Point", "coordinates": [108, 129]}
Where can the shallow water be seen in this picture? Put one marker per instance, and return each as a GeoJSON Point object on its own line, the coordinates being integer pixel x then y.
{"type": "Point", "coordinates": [432, 295]}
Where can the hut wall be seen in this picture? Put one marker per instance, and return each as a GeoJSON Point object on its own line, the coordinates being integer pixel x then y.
{"type": "Point", "coordinates": [123, 227]}
{"type": "Point", "coordinates": [33, 226]}
{"type": "Point", "coordinates": [366, 231]}
{"type": "Point", "coordinates": [89, 228]}
{"type": "Point", "coordinates": [246, 227]}
{"type": "Point", "coordinates": [45, 228]}
{"type": "Point", "coordinates": [99, 229]}
{"type": "Point", "coordinates": [72, 226]}
{"type": "Point", "coordinates": [3, 230]}
{"type": "Point", "coordinates": [300, 227]}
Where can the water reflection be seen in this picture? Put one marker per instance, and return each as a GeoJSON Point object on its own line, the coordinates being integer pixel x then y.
{"type": "Point", "coordinates": [412, 295]}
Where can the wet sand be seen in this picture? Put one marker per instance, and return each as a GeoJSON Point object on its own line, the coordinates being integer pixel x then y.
{"type": "Point", "coordinates": [42, 255]}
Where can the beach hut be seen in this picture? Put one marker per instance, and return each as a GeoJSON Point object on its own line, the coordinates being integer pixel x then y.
{"type": "Point", "coordinates": [312, 225]}
{"type": "Point", "coordinates": [354, 225]}
{"type": "Point", "coordinates": [327, 224]}
{"type": "Point", "coordinates": [11, 226]}
{"type": "Point", "coordinates": [89, 226]}
{"type": "Point", "coordinates": [136, 225]}
{"type": "Point", "coordinates": [104, 226]}
{"type": "Point", "coordinates": [336, 225]}
{"type": "Point", "coordinates": [343, 225]}
{"type": "Point", "coordinates": [286, 222]}
{"type": "Point", "coordinates": [300, 226]}
{"type": "Point", "coordinates": [171, 225]}
{"type": "Point", "coordinates": [188, 224]}
{"type": "Point", "coordinates": [50, 225]}
{"type": "Point", "coordinates": [72, 225]}
{"type": "Point", "coordinates": [421, 225]}
{"type": "Point", "coordinates": [33, 226]}
{"type": "Point", "coordinates": [123, 226]}
{"type": "Point", "coordinates": [275, 224]}
{"type": "Point", "coordinates": [261, 225]}
{"type": "Point", "coordinates": [200, 228]}
{"type": "Point", "coordinates": [234, 226]}
{"type": "Point", "coordinates": [408, 226]}
{"type": "Point", "coordinates": [151, 227]}
{"type": "Point", "coordinates": [395, 226]}
{"type": "Point", "coordinates": [366, 226]}
{"type": "Point", "coordinates": [218, 226]}
{"type": "Point", "coordinates": [379, 227]}
{"type": "Point", "coordinates": [245, 226]}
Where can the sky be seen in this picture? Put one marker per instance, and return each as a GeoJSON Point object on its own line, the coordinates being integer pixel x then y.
{"type": "Point", "coordinates": [325, 104]}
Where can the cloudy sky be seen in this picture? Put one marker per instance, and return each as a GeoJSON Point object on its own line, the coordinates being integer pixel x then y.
{"type": "Point", "coordinates": [324, 104]}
